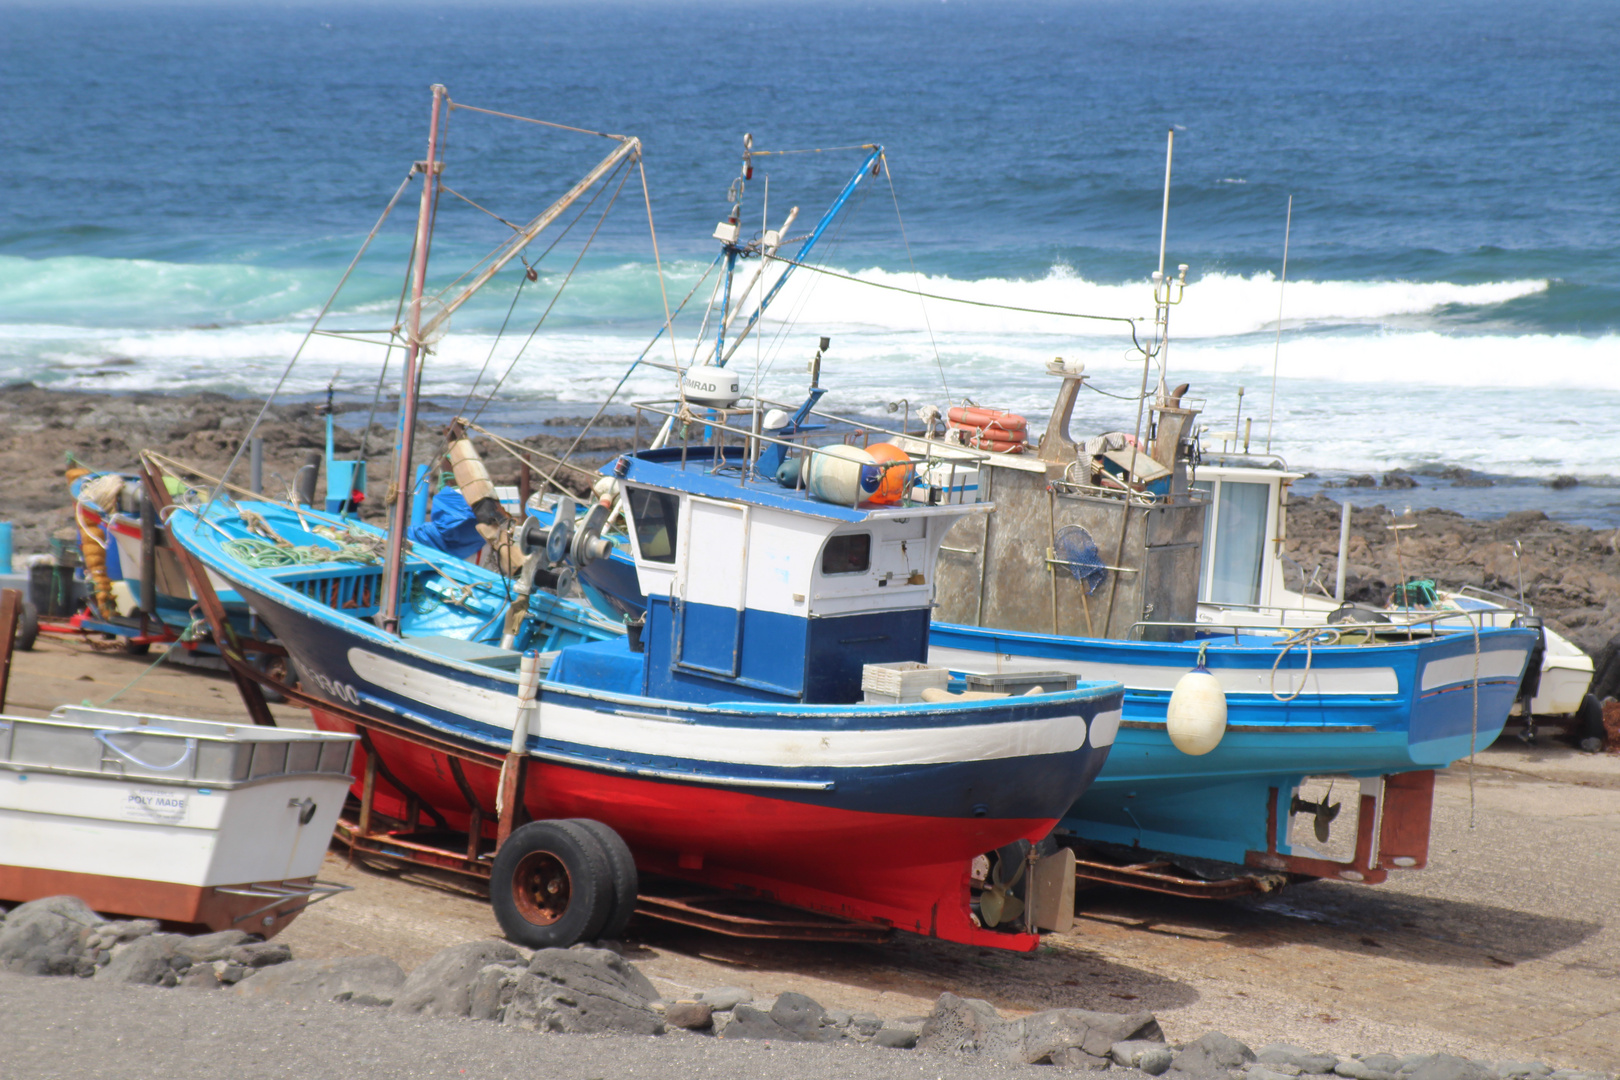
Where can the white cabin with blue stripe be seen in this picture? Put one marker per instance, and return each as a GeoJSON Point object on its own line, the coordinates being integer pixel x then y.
{"type": "Point", "coordinates": [760, 592]}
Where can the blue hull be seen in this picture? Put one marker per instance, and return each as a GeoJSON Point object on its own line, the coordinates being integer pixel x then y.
{"type": "Point", "coordinates": [1363, 711]}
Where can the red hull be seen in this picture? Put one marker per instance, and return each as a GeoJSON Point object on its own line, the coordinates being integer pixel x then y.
{"type": "Point", "coordinates": [904, 871]}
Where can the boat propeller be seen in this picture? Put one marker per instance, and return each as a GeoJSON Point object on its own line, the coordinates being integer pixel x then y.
{"type": "Point", "coordinates": [1323, 811]}
{"type": "Point", "coordinates": [1000, 903]}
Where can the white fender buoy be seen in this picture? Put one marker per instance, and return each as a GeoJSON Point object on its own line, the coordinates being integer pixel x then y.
{"type": "Point", "coordinates": [1196, 717]}
{"type": "Point", "coordinates": [841, 474]}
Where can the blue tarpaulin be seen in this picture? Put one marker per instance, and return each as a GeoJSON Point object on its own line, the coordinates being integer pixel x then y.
{"type": "Point", "coordinates": [451, 527]}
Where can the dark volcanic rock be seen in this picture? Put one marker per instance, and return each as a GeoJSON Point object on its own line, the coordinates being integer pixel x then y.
{"type": "Point", "coordinates": [361, 980]}
{"type": "Point", "coordinates": [146, 961]}
{"type": "Point", "coordinates": [725, 998]}
{"type": "Point", "coordinates": [1398, 479]}
{"type": "Point", "coordinates": [1045, 1035]}
{"type": "Point", "coordinates": [691, 1015]}
{"type": "Point", "coordinates": [49, 936]}
{"type": "Point", "coordinates": [1147, 1055]}
{"type": "Point", "coordinates": [794, 1018]}
{"type": "Point", "coordinates": [1215, 1056]}
{"type": "Point", "coordinates": [958, 1025]}
{"type": "Point", "coordinates": [444, 985]}
{"type": "Point", "coordinates": [1303, 1060]}
{"type": "Point", "coordinates": [895, 1038]}
{"type": "Point", "coordinates": [586, 991]}
{"type": "Point", "coordinates": [1450, 1067]}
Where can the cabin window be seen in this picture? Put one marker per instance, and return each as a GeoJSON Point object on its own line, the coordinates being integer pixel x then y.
{"type": "Point", "coordinates": [850, 553]}
{"type": "Point", "coordinates": [657, 517]}
{"type": "Point", "coordinates": [1240, 543]}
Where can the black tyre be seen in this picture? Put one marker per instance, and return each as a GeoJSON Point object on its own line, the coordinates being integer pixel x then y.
{"type": "Point", "coordinates": [625, 879]}
{"type": "Point", "coordinates": [551, 885]}
{"type": "Point", "coordinates": [137, 648]}
{"type": "Point", "coordinates": [1589, 720]}
{"type": "Point", "coordinates": [27, 626]}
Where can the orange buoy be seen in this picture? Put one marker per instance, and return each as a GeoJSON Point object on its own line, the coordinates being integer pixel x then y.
{"type": "Point", "coordinates": [896, 478]}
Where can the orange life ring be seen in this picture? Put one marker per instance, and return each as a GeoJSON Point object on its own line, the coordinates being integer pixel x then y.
{"type": "Point", "coordinates": [993, 431]}
{"type": "Point", "coordinates": [968, 416]}
{"type": "Point", "coordinates": [1000, 446]}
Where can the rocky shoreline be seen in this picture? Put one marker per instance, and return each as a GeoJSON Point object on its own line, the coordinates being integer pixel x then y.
{"type": "Point", "coordinates": [588, 990]}
{"type": "Point", "coordinates": [108, 431]}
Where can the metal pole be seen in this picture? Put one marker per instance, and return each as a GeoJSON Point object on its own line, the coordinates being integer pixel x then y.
{"type": "Point", "coordinates": [1164, 222]}
{"type": "Point", "coordinates": [256, 467]}
{"type": "Point", "coordinates": [1276, 349]}
{"type": "Point", "coordinates": [1344, 549]}
{"type": "Point", "coordinates": [388, 617]}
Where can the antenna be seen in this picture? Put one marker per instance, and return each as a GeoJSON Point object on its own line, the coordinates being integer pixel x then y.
{"type": "Point", "coordinates": [1288, 228]}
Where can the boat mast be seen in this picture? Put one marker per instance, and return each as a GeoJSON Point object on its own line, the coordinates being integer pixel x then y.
{"type": "Point", "coordinates": [388, 616]}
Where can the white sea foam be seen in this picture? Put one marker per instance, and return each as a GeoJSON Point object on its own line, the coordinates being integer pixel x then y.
{"type": "Point", "coordinates": [1371, 376]}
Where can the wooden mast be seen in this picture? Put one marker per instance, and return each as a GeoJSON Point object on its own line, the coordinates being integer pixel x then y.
{"type": "Point", "coordinates": [388, 616]}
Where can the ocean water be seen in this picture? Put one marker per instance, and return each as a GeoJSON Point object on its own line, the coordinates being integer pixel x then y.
{"type": "Point", "coordinates": [185, 184]}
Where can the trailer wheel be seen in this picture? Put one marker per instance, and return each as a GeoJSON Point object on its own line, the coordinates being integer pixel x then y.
{"type": "Point", "coordinates": [27, 626]}
{"type": "Point", "coordinates": [551, 885]}
{"type": "Point", "coordinates": [137, 648]}
{"type": "Point", "coordinates": [625, 879]}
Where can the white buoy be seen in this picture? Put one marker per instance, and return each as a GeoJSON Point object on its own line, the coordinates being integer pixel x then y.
{"type": "Point", "coordinates": [1196, 717]}
{"type": "Point", "coordinates": [842, 474]}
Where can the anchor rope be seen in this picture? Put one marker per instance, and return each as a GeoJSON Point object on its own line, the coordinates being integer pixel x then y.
{"type": "Point", "coordinates": [187, 635]}
{"type": "Point", "coordinates": [1307, 637]}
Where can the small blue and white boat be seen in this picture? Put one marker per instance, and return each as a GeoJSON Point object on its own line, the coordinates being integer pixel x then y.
{"type": "Point", "coordinates": [1312, 751]}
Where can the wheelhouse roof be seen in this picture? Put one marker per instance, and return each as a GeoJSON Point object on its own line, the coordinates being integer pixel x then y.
{"type": "Point", "coordinates": [700, 473]}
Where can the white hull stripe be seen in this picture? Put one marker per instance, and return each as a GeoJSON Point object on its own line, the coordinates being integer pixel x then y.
{"type": "Point", "coordinates": [1493, 664]}
{"type": "Point", "coordinates": [764, 746]}
{"type": "Point", "coordinates": [1365, 681]}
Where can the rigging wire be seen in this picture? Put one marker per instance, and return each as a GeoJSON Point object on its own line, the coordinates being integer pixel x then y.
{"type": "Point", "coordinates": [658, 262]}
{"type": "Point", "coordinates": [602, 408]}
{"type": "Point", "coordinates": [889, 176]}
{"type": "Point", "coordinates": [517, 294]}
{"type": "Point", "coordinates": [542, 123]}
{"type": "Point", "coordinates": [393, 343]}
{"type": "Point", "coordinates": [372, 235]}
{"type": "Point", "coordinates": [811, 150]}
{"type": "Point", "coordinates": [558, 294]}
{"type": "Point", "coordinates": [974, 303]}
{"type": "Point", "coordinates": [779, 342]}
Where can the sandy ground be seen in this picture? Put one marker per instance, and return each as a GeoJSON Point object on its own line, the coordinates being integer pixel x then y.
{"type": "Point", "coordinates": [1506, 947]}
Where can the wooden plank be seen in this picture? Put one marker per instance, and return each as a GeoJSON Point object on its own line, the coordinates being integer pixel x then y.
{"type": "Point", "coordinates": [10, 615]}
{"type": "Point", "coordinates": [208, 600]}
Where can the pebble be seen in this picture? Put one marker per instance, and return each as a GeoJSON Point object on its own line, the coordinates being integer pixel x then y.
{"type": "Point", "coordinates": [726, 998]}
{"type": "Point", "coordinates": [691, 1015]}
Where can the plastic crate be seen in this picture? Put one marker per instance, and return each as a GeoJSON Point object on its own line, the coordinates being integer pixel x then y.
{"type": "Point", "coordinates": [1016, 683]}
{"type": "Point", "coordinates": [902, 682]}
